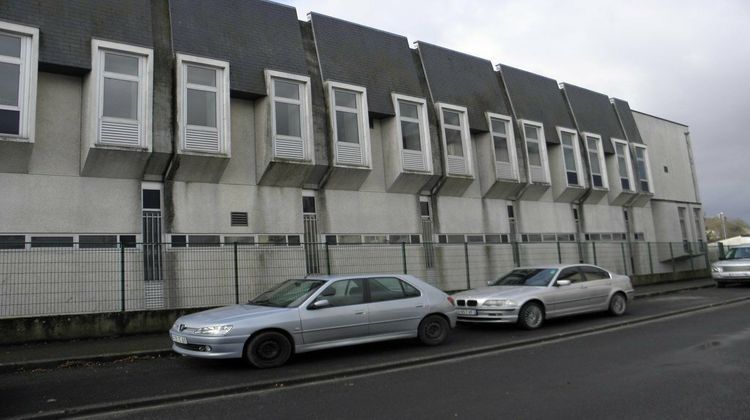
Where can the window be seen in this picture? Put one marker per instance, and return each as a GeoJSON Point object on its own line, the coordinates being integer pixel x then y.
{"type": "Point", "coordinates": [272, 239]}
{"type": "Point", "coordinates": [349, 119]}
{"type": "Point", "coordinates": [413, 133]}
{"type": "Point", "coordinates": [571, 156]}
{"type": "Point", "coordinates": [52, 242]}
{"type": "Point", "coordinates": [644, 172]}
{"type": "Point", "coordinates": [536, 150]}
{"type": "Point", "coordinates": [122, 92]}
{"type": "Point", "coordinates": [245, 240]}
{"type": "Point", "coordinates": [19, 46]}
{"type": "Point", "coordinates": [203, 104]}
{"type": "Point", "coordinates": [697, 220]}
{"type": "Point", "coordinates": [375, 239]}
{"type": "Point", "coordinates": [390, 288]}
{"type": "Point", "coordinates": [596, 161]}
{"type": "Point", "coordinates": [344, 293]}
{"type": "Point", "coordinates": [308, 205]}
{"type": "Point", "coordinates": [573, 274]}
{"type": "Point", "coordinates": [290, 115]}
{"type": "Point", "coordinates": [12, 242]}
{"type": "Point", "coordinates": [456, 137]}
{"type": "Point", "coordinates": [504, 148]}
{"type": "Point", "coordinates": [97, 241]}
{"type": "Point", "coordinates": [594, 273]}
{"type": "Point", "coordinates": [623, 164]}
{"type": "Point", "coordinates": [203, 240]}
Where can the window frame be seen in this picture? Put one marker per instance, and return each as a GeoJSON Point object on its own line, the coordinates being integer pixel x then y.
{"type": "Point", "coordinates": [543, 157]}
{"type": "Point", "coordinates": [223, 122]}
{"type": "Point", "coordinates": [363, 122]}
{"type": "Point", "coordinates": [424, 131]}
{"type": "Point", "coordinates": [306, 119]}
{"type": "Point", "coordinates": [576, 155]}
{"type": "Point", "coordinates": [99, 48]}
{"type": "Point", "coordinates": [647, 167]}
{"type": "Point", "coordinates": [463, 128]}
{"type": "Point", "coordinates": [27, 80]}
{"type": "Point", "coordinates": [600, 158]}
{"type": "Point", "coordinates": [628, 163]}
{"type": "Point", "coordinates": [510, 137]}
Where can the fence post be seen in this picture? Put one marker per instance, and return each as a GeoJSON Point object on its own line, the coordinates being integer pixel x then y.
{"type": "Point", "coordinates": [559, 254]}
{"type": "Point", "coordinates": [466, 258]}
{"type": "Point", "coordinates": [236, 277]}
{"type": "Point", "coordinates": [692, 263]}
{"type": "Point", "coordinates": [624, 260]}
{"type": "Point", "coordinates": [403, 255]}
{"type": "Point", "coordinates": [593, 248]}
{"type": "Point", "coordinates": [328, 259]}
{"type": "Point", "coordinates": [650, 259]}
{"type": "Point", "coordinates": [122, 276]}
{"type": "Point", "coordinates": [671, 256]}
{"type": "Point", "coordinates": [705, 255]}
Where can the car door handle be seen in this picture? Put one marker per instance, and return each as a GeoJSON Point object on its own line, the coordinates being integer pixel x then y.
{"type": "Point", "coordinates": [419, 306]}
{"type": "Point", "coordinates": [359, 313]}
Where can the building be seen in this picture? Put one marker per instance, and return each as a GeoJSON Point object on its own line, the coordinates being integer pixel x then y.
{"type": "Point", "coordinates": [136, 122]}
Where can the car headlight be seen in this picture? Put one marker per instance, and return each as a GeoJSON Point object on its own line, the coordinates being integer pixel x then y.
{"type": "Point", "coordinates": [214, 330]}
{"type": "Point", "coordinates": [716, 269]}
{"type": "Point", "coordinates": [498, 302]}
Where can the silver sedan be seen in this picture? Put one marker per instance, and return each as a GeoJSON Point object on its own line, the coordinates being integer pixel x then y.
{"type": "Point", "coordinates": [735, 268]}
{"type": "Point", "coordinates": [317, 312]}
{"type": "Point", "coordinates": [529, 295]}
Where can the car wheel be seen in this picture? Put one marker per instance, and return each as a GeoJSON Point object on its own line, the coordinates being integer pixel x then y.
{"type": "Point", "coordinates": [268, 349]}
{"type": "Point", "coordinates": [433, 330]}
{"type": "Point", "coordinates": [618, 304]}
{"type": "Point", "coordinates": [530, 316]}
{"type": "Point", "coordinates": [720, 285]}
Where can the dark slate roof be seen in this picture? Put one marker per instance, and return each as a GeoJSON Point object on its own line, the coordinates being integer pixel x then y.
{"type": "Point", "coordinates": [66, 27]}
{"type": "Point", "coordinates": [626, 117]}
{"type": "Point", "coordinates": [537, 98]}
{"type": "Point", "coordinates": [251, 35]}
{"type": "Point", "coordinates": [595, 114]}
{"type": "Point", "coordinates": [460, 79]}
{"type": "Point", "coordinates": [377, 60]}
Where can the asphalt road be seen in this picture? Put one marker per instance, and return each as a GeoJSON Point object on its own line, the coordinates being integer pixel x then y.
{"type": "Point", "coordinates": [689, 366]}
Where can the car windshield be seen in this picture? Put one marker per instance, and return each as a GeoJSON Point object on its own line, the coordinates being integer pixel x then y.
{"type": "Point", "coordinates": [527, 277]}
{"type": "Point", "coordinates": [738, 253]}
{"type": "Point", "coordinates": [288, 294]}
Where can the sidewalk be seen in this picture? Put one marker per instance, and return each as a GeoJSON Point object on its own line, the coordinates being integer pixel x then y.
{"type": "Point", "coordinates": [47, 355]}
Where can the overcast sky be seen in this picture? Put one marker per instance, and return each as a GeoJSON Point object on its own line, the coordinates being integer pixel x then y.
{"type": "Point", "coordinates": [687, 61]}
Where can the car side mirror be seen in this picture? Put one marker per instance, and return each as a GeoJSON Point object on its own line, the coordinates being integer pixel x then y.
{"type": "Point", "coordinates": [320, 304]}
{"type": "Point", "coordinates": [562, 283]}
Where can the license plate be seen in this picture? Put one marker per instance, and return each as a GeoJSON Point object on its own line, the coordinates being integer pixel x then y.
{"type": "Point", "coordinates": [466, 311]}
{"type": "Point", "coordinates": [179, 339]}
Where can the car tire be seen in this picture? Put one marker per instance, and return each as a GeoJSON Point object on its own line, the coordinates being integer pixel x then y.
{"type": "Point", "coordinates": [268, 349]}
{"type": "Point", "coordinates": [531, 316]}
{"type": "Point", "coordinates": [720, 285]}
{"type": "Point", "coordinates": [618, 304]}
{"type": "Point", "coordinates": [433, 330]}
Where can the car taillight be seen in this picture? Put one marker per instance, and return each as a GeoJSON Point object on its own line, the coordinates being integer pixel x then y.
{"type": "Point", "coordinates": [450, 299]}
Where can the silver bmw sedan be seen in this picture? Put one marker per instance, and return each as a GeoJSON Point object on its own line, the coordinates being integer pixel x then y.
{"type": "Point", "coordinates": [529, 295]}
{"type": "Point", "coordinates": [317, 312]}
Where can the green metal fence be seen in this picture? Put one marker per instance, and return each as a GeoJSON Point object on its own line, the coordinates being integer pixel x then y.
{"type": "Point", "coordinates": [127, 277]}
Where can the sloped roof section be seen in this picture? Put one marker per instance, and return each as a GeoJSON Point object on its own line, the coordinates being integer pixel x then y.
{"type": "Point", "coordinates": [628, 122]}
{"type": "Point", "coordinates": [461, 79]}
{"type": "Point", "coordinates": [252, 35]}
{"type": "Point", "coordinates": [66, 27]}
{"type": "Point", "coordinates": [595, 114]}
{"type": "Point", "coordinates": [537, 98]}
{"type": "Point", "coordinates": [377, 60]}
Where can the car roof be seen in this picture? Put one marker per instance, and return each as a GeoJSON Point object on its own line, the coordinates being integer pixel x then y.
{"type": "Point", "coordinates": [352, 276]}
{"type": "Point", "coordinates": [558, 266]}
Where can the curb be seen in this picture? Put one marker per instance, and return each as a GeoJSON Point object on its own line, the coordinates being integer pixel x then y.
{"type": "Point", "coordinates": [349, 373]}
{"type": "Point", "coordinates": [110, 357]}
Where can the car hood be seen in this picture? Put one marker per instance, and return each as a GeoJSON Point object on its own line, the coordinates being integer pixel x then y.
{"type": "Point", "coordinates": [228, 314]}
{"type": "Point", "coordinates": [504, 292]}
{"type": "Point", "coordinates": [742, 262]}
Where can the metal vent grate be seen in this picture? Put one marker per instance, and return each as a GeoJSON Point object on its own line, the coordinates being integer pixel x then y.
{"type": "Point", "coordinates": [119, 133]}
{"type": "Point", "coordinates": [413, 160]}
{"type": "Point", "coordinates": [239, 218]}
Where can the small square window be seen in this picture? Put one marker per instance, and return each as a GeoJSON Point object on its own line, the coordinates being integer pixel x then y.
{"type": "Point", "coordinates": [293, 240]}
{"type": "Point", "coordinates": [127, 241]}
{"type": "Point", "coordinates": [179, 241]}
{"type": "Point", "coordinates": [331, 240]}
{"type": "Point", "coordinates": [308, 205]}
{"type": "Point", "coordinates": [415, 239]}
